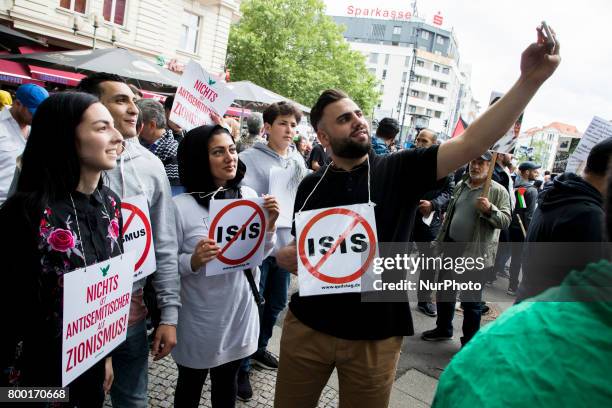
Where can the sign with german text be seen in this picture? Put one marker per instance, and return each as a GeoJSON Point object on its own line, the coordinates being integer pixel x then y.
{"type": "Point", "coordinates": [138, 235]}
{"type": "Point", "coordinates": [199, 94]}
{"type": "Point", "coordinates": [599, 129]}
{"type": "Point", "coordinates": [96, 310]}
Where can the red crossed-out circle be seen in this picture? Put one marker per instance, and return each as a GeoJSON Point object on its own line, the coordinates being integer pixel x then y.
{"type": "Point", "coordinates": [357, 219]}
{"type": "Point", "coordinates": [224, 210]}
{"type": "Point", "coordinates": [147, 225]}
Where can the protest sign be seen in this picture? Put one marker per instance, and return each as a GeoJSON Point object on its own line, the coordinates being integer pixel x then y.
{"type": "Point", "coordinates": [199, 94]}
{"type": "Point", "coordinates": [283, 185]}
{"type": "Point", "coordinates": [598, 130]}
{"type": "Point", "coordinates": [336, 247]}
{"type": "Point", "coordinates": [238, 227]}
{"type": "Point", "coordinates": [137, 234]}
{"type": "Point", "coordinates": [96, 310]}
{"type": "Point", "coordinates": [507, 143]}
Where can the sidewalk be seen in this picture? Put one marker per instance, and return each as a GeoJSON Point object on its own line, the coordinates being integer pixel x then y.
{"type": "Point", "coordinates": [419, 368]}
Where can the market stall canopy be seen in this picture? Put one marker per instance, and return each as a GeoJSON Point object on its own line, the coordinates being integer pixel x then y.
{"type": "Point", "coordinates": [12, 39]}
{"type": "Point", "coordinates": [119, 61]}
{"type": "Point", "coordinates": [247, 91]}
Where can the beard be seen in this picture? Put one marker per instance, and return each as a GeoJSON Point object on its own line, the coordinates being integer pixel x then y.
{"type": "Point", "coordinates": [350, 149]}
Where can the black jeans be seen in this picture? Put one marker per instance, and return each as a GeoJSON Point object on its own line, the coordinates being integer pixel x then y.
{"type": "Point", "coordinates": [223, 385]}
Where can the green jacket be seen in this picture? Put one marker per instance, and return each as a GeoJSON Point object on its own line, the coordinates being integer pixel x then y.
{"type": "Point", "coordinates": [486, 234]}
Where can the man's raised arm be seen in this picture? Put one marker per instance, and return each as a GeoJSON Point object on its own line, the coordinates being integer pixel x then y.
{"type": "Point", "coordinates": [537, 64]}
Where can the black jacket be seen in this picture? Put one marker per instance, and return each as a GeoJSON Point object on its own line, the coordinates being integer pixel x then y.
{"type": "Point", "coordinates": [439, 200]}
{"type": "Point", "coordinates": [568, 214]}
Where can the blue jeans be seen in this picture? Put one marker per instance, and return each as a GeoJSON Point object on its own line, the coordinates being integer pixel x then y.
{"type": "Point", "coordinates": [130, 365]}
{"type": "Point", "coordinates": [274, 286]}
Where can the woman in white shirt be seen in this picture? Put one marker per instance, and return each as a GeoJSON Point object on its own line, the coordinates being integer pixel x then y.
{"type": "Point", "coordinates": [218, 322]}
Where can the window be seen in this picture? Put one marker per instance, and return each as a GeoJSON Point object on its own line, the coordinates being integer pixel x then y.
{"type": "Point", "coordinates": [429, 112]}
{"type": "Point", "coordinates": [440, 40]}
{"type": "Point", "coordinates": [407, 61]}
{"type": "Point", "coordinates": [372, 71]}
{"type": "Point", "coordinates": [374, 57]}
{"type": "Point", "coordinates": [378, 30]}
{"type": "Point", "coordinates": [114, 11]}
{"type": "Point", "coordinates": [420, 63]}
{"type": "Point", "coordinates": [74, 5]}
{"type": "Point", "coordinates": [414, 93]}
{"type": "Point", "coordinates": [397, 30]}
{"type": "Point", "coordinates": [190, 32]}
{"type": "Point", "coordinates": [440, 99]}
{"type": "Point", "coordinates": [438, 114]}
{"type": "Point", "coordinates": [446, 70]}
{"type": "Point", "coordinates": [425, 34]}
{"type": "Point", "coordinates": [443, 85]}
{"type": "Point", "coordinates": [386, 59]}
{"type": "Point", "coordinates": [437, 68]}
{"type": "Point", "coordinates": [384, 74]}
{"type": "Point", "coordinates": [404, 76]}
{"type": "Point", "coordinates": [432, 98]}
{"type": "Point", "coordinates": [412, 108]}
{"type": "Point", "coordinates": [382, 89]}
{"type": "Point", "coordinates": [437, 52]}
{"type": "Point", "coordinates": [401, 91]}
{"type": "Point", "coordinates": [434, 82]}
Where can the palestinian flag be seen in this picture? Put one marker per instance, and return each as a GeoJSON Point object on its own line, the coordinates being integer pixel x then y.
{"type": "Point", "coordinates": [459, 127]}
{"type": "Point", "coordinates": [520, 197]}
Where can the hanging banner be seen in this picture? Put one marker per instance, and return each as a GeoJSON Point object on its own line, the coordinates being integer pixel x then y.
{"type": "Point", "coordinates": [507, 143]}
{"type": "Point", "coordinates": [599, 129]}
{"type": "Point", "coordinates": [96, 310]}
{"type": "Point", "coordinates": [336, 247]}
{"type": "Point", "coordinates": [283, 186]}
{"type": "Point", "coordinates": [138, 235]}
{"type": "Point", "coordinates": [199, 94]}
{"type": "Point", "coordinates": [238, 227]}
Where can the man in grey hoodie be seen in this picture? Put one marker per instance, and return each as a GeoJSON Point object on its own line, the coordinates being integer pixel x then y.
{"type": "Point", "coordinates": [280, 121]}
{"type": "Point", "coordinates": [141, 172]}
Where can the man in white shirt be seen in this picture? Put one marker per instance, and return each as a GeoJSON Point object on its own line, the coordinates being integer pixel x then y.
{"type": "Point", "coordinates": [14, 130]}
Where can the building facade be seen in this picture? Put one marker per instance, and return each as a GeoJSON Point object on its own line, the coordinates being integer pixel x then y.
{"type": "Point", "coordinates": [171, 31]}
{"type": "Point", "coordinates": [418, 67]}
{"type": "Point", "coordinates": [549, 145]}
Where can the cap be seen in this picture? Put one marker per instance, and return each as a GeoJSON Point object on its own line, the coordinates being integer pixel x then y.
{"type": "Point", "coordinates": [528, 165]}
{"type": "Point", "coordinates": [486, 156]}
{"type": "Point", "coordinates": [31, 95]}
{"type": "Point", "coordinates": [5, 99]}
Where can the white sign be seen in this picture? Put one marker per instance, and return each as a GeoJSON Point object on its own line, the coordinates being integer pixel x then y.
{"type": "Point", "coordinates": [199, 94]}
{"type": "Point", "coordinates": [599, 129]}
{"type": "Point", "coordinates": [239, 228]}
{"type": "Point", "coordinates": [96, 310]}
{"type": "Point", "coordinates": [336, 247]}
{"type": "Point", "coordinates": [138, 235]}
{"type": "Point", "coordinates": [283, 186]}
{"type": "Point", "coordinates": [507, 143]}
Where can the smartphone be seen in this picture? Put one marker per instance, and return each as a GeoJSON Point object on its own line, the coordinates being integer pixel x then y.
{"type": "Point", "coordinates": [550, 40]}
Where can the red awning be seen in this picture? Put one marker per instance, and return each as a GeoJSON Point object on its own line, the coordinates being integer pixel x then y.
{"type": "Point", "coordinates": [55, 75]}
{"type": "Point", "coordinates": [153, 95]}
{"type": "Point", "coordinates": [15, 73]}
{"type": "Point", "coordinates": [235, 111]}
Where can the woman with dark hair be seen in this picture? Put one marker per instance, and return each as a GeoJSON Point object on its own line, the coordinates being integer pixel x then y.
{"type": "Point", "coordinates": [61, 218]}
{"type": "Point", "coordinates": [218, 322]}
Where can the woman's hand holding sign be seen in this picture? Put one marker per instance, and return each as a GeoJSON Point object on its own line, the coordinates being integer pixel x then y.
{"type": "Point", "coordinates": [271, 204]}
{"type": "Point", "coordinates": [205, 251]}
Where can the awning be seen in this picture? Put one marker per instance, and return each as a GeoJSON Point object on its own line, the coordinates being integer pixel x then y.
{"type": "Point", "coordinates": [55, 75]}
{"type": "Point", "coordinates": [153, 95]}
{"type": "Point", "coordinates": [234, 111]}
{"type": "Point", "coordinates": [15, 73]}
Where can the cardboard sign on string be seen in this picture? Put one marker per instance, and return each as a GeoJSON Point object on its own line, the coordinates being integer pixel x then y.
{"type": "Point", "coordinates": [336, 247]}
{"type": "Point", "coordinates": [238, 227]}
{"type": "Point", "coordinates": [138, 235]}
{"type": "Point", "coordinates": [95, 313]}
{"type": "Point", "coordinates": [199, 94]}
{"type": "Point", "coordinates": [284, 187]}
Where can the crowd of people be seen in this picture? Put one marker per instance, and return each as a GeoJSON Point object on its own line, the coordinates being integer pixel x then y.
{"type": "Point", "coordinates": [68, 160]}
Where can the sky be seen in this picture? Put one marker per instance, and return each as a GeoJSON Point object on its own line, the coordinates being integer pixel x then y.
{"type": "Point", "coordinates": [492, 34]}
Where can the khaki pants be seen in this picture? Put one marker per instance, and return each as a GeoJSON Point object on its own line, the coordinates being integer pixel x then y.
{"type": "Point", "coordinates": [366, 368]}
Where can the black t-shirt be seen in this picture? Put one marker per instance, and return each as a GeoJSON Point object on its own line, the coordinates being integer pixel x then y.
{"type": "Point", "coordinates": [398, 181]}
{"type": "Point", "coordinates": [317, 154]}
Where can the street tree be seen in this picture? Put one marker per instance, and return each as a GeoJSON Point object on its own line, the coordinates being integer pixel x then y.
{"type": "Point", "coordinates": [292, 48]}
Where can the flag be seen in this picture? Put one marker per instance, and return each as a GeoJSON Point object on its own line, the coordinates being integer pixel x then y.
{"type": "Point", "coordinates": [520, 197]}
{"type": "Point", "coordinates": [460, 127]}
